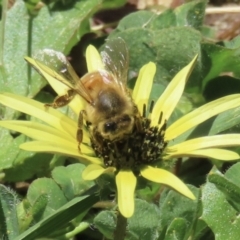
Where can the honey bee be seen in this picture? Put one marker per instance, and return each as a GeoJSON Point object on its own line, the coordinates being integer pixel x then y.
{"type": "Point", "coordinates": [109, 112]}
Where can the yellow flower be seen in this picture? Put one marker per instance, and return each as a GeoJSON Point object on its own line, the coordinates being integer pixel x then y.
{"type": "Point", "coordinates": [143, 149]}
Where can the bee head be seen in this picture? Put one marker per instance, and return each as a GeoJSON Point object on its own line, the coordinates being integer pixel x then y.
{"type": "Point", "coordinates": [110, 127]}
{"type": "Point", "coordinates": [117, 127]}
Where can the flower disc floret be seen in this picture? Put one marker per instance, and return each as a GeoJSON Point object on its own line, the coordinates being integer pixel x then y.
{"type": "Point", "coordinates": [145, 145]}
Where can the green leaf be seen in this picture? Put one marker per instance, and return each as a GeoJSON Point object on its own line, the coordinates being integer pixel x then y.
{"type": "Point", "coordinates": [202, 231]}
{"type": "Point", "coordinates": [231, 190]}
{"type": "Point", "coordinates": [229, 184]}
{"type": "Point", "coordinates": [173, 205]}
{"type": "Point", "coordinates": [105, 222]}
{"type": "Point", "coordinates": [70, 180]}
{"type": "Point", "coordinates": [39, 206]}
{"type": "Point", "coordinates": [142, 225]}
{"type": "Point", "coordinates": [175, 48]}
{"type": "Point", "coordinates": [59, 218]}
{"type": "Point", "coordinates": [234, 43]}
{"type": "Point", "coordinates": [8, 213]}
{"type": "Point", "coordinates": [19, 165]}
{"type": "Point", "coordinates": [164, 20]}
{"type": "Point", "coordinates": [219, 215]}
{"type": "Point", "coordinates": [58, 30]}
{"type": "Point", "coordinates": [171, 48]}
{"type": "Point", "coordinates": [140, 19]}
{"type": "Point", "coordinates": [176, 230]}
{"type": "Point", "coordinates": [145, 222]}
{"type": "Point", "coordinates": [208, 32]}
{"type": "Point", "coordinates": [46, 187]}
{"type": "Point", "coordinates": [113, 4]}
{"type": "Point", "coordinates": [218, 59]}
{"type": "Point", "coordinates": [9, 148]}
{"type": "Point", "coordinates": [26, 165]}
{"type": "Point", "coordinates": [232, 174]}
{"type": "Point", "coordinates": [29, 214]}
{"type": "Point", "coordinates": [191, 14]}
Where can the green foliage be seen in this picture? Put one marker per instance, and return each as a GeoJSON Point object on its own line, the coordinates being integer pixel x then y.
{"type": "Point", "coordinates": [46, 207]}
{"type": "Point", "coordinates": [58, 202]}
{"type": "Point", "coordinates": [25, 35]}
{"type": "Point", "coordinates": [144, 223]}
{"type": "Point", "coordinates": [220, 199]}
{"type": "Point", "coordinates": [175, 218]}
{"type": "Point", "coordinates": [8, 203]}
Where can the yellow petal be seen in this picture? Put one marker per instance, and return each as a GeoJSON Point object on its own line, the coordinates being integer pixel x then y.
{"type": "Point", "coordinates": [42, 146]}
{"type": "Point", "coordinates": [216, 153]}
{"type": "Point", "coordinates": [37, 131]}
{"type": "Point", "coordinates": [225, 140]}
{"type": "Point", "coordinates": [31, 107]}
{"type": "Point", "coordinates": [201, 114]}
{"type": "Point", "coordinates": [170, 97]}
{"type": "Point", "coordinates": [94, 61]}
{"type": "Point", "coordinates": [126, 184]}
{"type": "Point", "coordinates": [143, 85]}
{"type": "Point", "coordinates": [77, 104]}
{"type": "Point", "coordinates": [162, 176]}
{"type": "Point", "coordinates": [93, 171]}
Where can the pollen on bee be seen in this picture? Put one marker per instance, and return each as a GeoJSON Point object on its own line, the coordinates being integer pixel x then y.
{"type": "Point", "coordinates": [142, 146]}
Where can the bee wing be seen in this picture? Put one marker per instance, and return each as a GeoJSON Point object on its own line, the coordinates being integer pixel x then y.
{"type": "Point", "coordinates": [116, 59]}
{"type": "Point", "coordinates": [57, 66]}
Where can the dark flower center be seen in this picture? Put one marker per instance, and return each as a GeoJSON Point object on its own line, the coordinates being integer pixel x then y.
{"type": "Point", "coordinates": [143, 146]}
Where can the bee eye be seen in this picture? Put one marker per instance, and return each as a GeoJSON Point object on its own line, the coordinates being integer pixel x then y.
{"type": "Point", "coordinates": [110, 127]}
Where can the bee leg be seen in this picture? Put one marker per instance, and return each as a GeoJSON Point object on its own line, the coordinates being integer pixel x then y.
{"type": "Point", "coordinates": [80, 131]}
{"type": "Point", "coordinates": [88, 124]}
{"type": "Point", "coordinates": [63, 100]}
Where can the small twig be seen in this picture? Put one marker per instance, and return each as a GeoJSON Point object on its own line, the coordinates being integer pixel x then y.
{"type": "Point", "coordinates": [104, 204]}
{"type": "Point", "coordinates": [80, 228]}
{"type": "Point", "coordinates": [221, 10]}
{"type": "Point", "coordinates": [103, 26]}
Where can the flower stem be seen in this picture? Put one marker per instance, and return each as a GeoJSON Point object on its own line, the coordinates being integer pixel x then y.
{"type": "Point", "coordinates": [2, 29]}
{"type": "Point", "coordinates": [29, 50]}
{"type": "Point", "coordinates": [120, 231]}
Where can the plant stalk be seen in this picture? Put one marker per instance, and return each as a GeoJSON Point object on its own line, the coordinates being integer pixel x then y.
{"type": "Point", "coordinates": [2, 30]}
{"type": "Point", "coordinates": [120, 231]}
